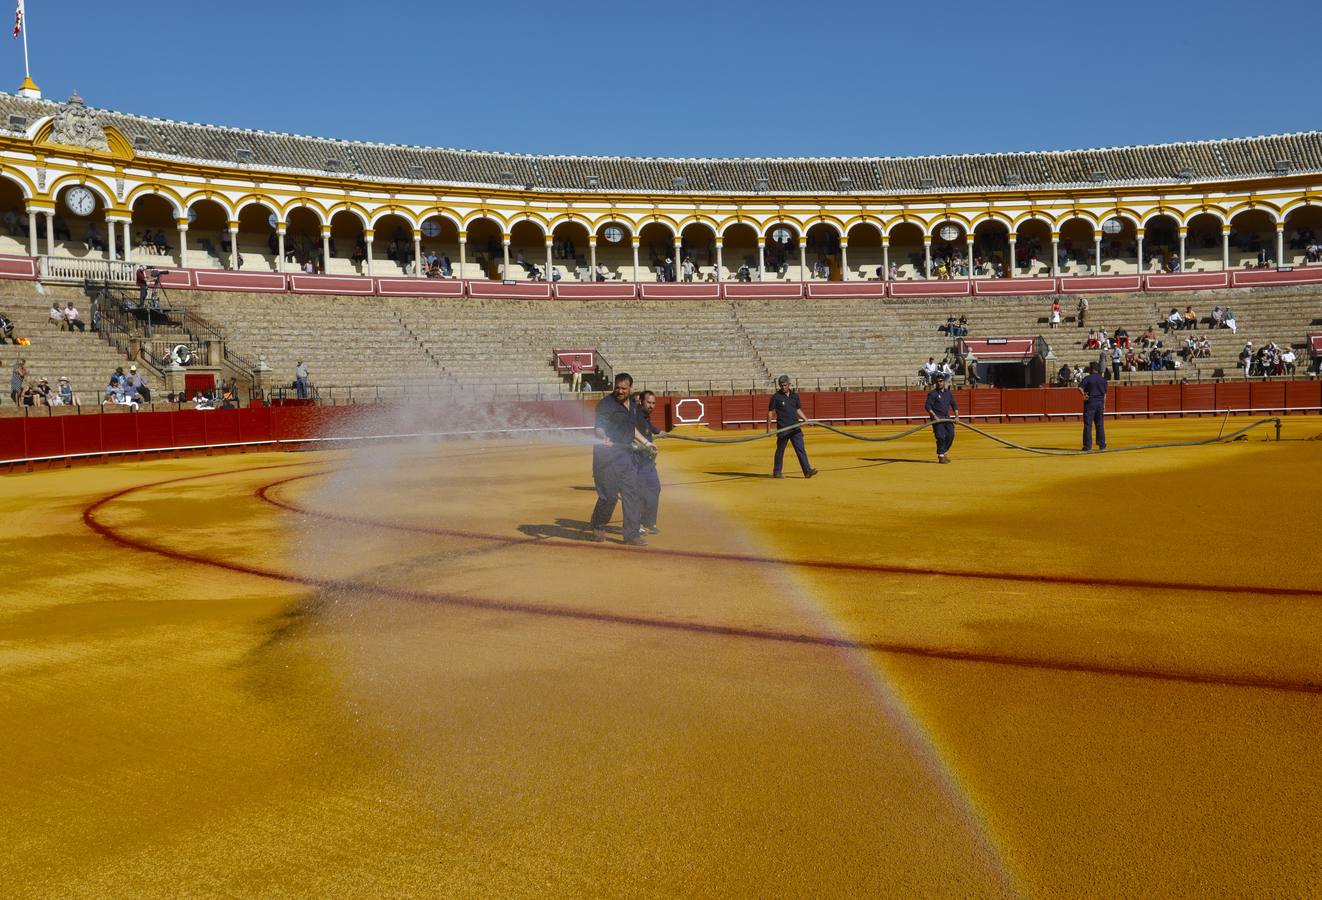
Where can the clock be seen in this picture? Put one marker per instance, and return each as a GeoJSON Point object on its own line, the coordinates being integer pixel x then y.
{"type": "Point", "coordinates": [271, 220]}
{"type": "Point", "coordinates": [948, 233]}
{"type": "Point", "coordinates": [613, 233]}
{"type": "Point", "coordinates": [782, 235]}
{"type": "Point", "coordinates": [1113, 226]}
{"type": "Point", "coordinates": [192, 215]}
{"type": "Point", "coordinates": [431, 228]}
{"type": "Point", "coordinates": [81, 201]}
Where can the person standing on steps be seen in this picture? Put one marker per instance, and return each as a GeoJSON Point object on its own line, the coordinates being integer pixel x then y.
{"type": "Point", "coordinates": [1093, 388]}
{"type": "Point", "coordinates": [784, 411]}
{"type": "Point", "coordinates": [941, 405]}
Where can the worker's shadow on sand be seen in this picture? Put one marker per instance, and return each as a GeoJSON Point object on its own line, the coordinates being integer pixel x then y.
{"type": "Point", "coordinates": [739, 474]}
{"type": "Point", "coordinates": [894, 459]}
{"type": "Point", "coordinates": [565, 529]}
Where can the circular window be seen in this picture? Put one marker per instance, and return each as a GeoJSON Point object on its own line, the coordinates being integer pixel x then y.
{"type": "Point", "coordinates": [948, 232]}
{"type": "Point", "coordinates": [1113, 226]}
{"type": "Point", "coordinates": [613, 233]}
{"type": "Point", "coordinates": [192, 215]}
{"type": "Point", "coordinates": [782, 235]}
{"type": "Point", "coordinates": [431, 228]}
{"type": "Point", "coordinates": [271, 220]}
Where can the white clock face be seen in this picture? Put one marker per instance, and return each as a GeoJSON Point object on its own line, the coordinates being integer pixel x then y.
{"type": "Point", "coordinates": [81, 201]}
{"type": "Point", "coordinates": [431, 228]}
{"type": "Point", "coordinates": [949, 233]}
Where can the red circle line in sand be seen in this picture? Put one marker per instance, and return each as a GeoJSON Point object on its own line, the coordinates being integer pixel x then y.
{"type": "Point", "coordinates": [549, 610]}
{"type": "Point", "coordinates": [264, 493]}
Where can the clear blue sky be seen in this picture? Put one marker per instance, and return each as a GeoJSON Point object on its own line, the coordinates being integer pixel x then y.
{"type": "Point", "coordinates": [715, 78]}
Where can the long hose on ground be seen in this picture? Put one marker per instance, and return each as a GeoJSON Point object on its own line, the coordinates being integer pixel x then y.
{"type": "Point", "coordinates": [1044, 451]}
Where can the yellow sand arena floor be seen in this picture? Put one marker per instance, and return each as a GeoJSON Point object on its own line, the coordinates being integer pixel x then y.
{"type": "Point", "coordinates": [400, 670]}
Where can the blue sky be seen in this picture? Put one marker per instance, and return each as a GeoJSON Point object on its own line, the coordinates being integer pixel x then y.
{"type": "Point", "coordinates": [692, 78]}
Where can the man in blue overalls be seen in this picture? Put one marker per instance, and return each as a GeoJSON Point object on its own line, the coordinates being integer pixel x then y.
{"type": "Point", "coordinates": [649, 481]}
{"type": "Point", "coordinates": [613, 467]}
{"type": "Point", "coordinates": [941, 405]}
{"type": "Point", "coordinates": [785, 412]}
{"type": "Point", "coordinates": [1093, 388]}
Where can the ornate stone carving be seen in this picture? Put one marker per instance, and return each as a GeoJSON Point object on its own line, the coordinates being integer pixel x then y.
{"type": "Point", "coordinates": [77, 126]}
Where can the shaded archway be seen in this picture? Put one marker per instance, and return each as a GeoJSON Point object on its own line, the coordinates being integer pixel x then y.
{"type": "Point", "coordinates": [440, 238]}
{"type": "Point", "coordinates": [349, 244]}
{"type": "Point", "coordinates": [698, 243]}
{"type": "Point", "coordinates": [1033, 248]}
{"type": "Point", "coordinates": [569, 250]}
{"type": "Point", "coordinates": [1202, 244]}
{"type": "Point", "coordinates": [822, 243]}
{"type": "Point", "coordinates": [258, 242]}
{"type": "Point", "coordinates": [485, 250]}
{"type": "Point", "coordinates": [1303, 235]}
{"type": "Point", "coordinates": [208, 235]}
{"type": "Point", "coordinates": [863, 256]}
{"type": "Point", "coordinates": [14, 237]}
{"type": "Point", "coordinates": [527, 251]}
{"type": "Point", "coordinates": [780, 254]}
{"type": "Point", "coordinates": [656, 253]}
{"type": "Point", "coordinates": [392, 246]}
{"type": "Point", "coordinates": [907, 256]}
{"type": "Point", "coordinates": [739, 252]}
{"type": "Point", "coordinates": [950, 250]}
{"type": "Point", "coordinates": [1075, 252]}
{"type": "Point", "coordinates": [613, 254]}
{"type": "Point", "coordinates": [80, 230]}
{"type": "Point", "coordinates": [1161, 244]}
{"type": "Point", "coordinates": [991, 249]}
{"type": "Point", "coordinates": [1252, 239]}
{"type": "Point", "coordinates": [154, 232]}
{"type": "Point", "coordinates": [303, 242]}
{"type": "Point", "coordinates": [1119, 245]}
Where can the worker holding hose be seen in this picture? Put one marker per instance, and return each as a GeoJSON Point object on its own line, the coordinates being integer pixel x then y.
{"type": "Point", "coordinates": [941, 405]}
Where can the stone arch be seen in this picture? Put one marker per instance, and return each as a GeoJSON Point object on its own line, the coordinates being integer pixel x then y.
{"type": "Point", "coordinates": [1303, 229]}
{"type": "Point", "coordinates": [95, 185]}
{"type": "Point", "coordinates": [76, 235]}
{"type": "Point", "coordinates": [1161, 239]}
{"type": "Point", "coordinates": [13, 206]}
{"type": "Point", "coordinates": [156, 189]}
{"type": "Point", "coordinates": [444, 213]}
{"type": "Point", "coordinates": [1075, 252]}
{"type": "Point", "coordinates": [219, 200]}
{"type": "Point", "coordinates": [352, 209]}
{"type": "Point", "coordinates": [348, 240]}
{"type": "Point", "coordinates": [307, 203]}
{"type": "Point", "coordinates": [905, 237]}
{"type": "Point", "coordinates": [954, 218]}
{"type": "Point", "coordinates": [698, 243]}
{"type": "Point", "coordinates": [393, 210]}
{"type": "Point", "coordinates": [1209, 209]}
{"type": "Point", "coordinates": [1202, 244]}
{"type": "Point", "coordinates": [570, 243]}
{"type": "Point", "coordinates": [1032, 245]}
{"type": "Point", "coordinates": [738, 248]}
{"type": "Point", "coordinates": [1252, 236]}
{"type": "Point", "coordinates": [25, 185]}
{"type": "Point", "coordinates": [865, 256]}
{"type": "Point", "coordinates": [208, 230]}
{"type": "Point", "coordinates": [486, 251]}
{"type": "Point", "coordinates": [734, 221]}
{"type": "Point", "coordinates": [303, 242]}
{"type": "Point", "coordinates": [151, 213]}
{"type": "Point", "coordinates": [821, 241]}
{"type": "Point", "coordinates": [527, 237]}
{"type": "Point", "coordinates": [1253, 205]}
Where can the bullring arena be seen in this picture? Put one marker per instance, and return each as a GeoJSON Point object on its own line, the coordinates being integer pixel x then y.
{"type": "Point", "coordinates": [354, 636]}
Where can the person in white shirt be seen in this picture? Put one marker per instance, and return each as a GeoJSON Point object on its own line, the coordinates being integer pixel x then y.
{"type": "Point", "coordinates": [57, 316]}
{"type": "Point", "coordinates": [72, 317]}
{"type": "Point", "coordinates": [1287, 360]}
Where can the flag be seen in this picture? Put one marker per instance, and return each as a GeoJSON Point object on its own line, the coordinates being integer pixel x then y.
{"type": "Point", "coordinates": [18, 19]}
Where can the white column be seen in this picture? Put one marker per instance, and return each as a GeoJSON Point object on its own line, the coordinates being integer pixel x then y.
{"type": "Point", "coordinates": [720, 258]}
{"type": "Point", "coordinates": [33, 249]}
{"type": "Point", "coordinates": [1010, 264]}
{"type": "Point", "coordinates": [592, 257]}
{"type": "Point", "coordinates": [547, 272]}
{"type": "Point", "coordinates": [417, 253]}
{"type": "Point", "coordinates": [803, 260]}
{"type": "Point", "coordinates": [885, 259]}
{"type": "Point", "coordinates": [761, 259]}
{"type": "Point", "coordinates": [463, 254]}
{"type": "Point", "coordinates": [1280, 244]}
{"type": "Point", "coordinates": [927, 256]}
{"type": "Point", "coordinates": [110, 239]}
{"type": "Point", "coordinates": [1055, 255]}
{"type": "Point", "coordinates": [1225, 248]}
{"type": "Point", "coordinates": [50, 232]}
{"type": "Point", "coordinates": [367, 239]}
{"type": "Point", "coordinates": [128, 241]}
{"type": "Point", "coordinates": [234, 245]}
{"type": "Point", "coordinates": [505, 254]}
{"type": "Point", "coordinates": [968, 254]}
{"type": "Point", "coordinates": [1184, 233]}
{"type": "Point", "coordinates": [1097, 253]}
{"type": "Point", "coordinates": [182, 225]}
{"type": "Point", "coordinates": [635, 259]}
{"type": "Point", "coordinates": [844, 259]}
{"type": "Point", "coordinates": [1140, 253]}
{"type": "Point", "coordinates": [678, 262]}
{"type": "Point", "coordinates": [325, 249]}
{"type": "Point", "coordinates": [280, 249]}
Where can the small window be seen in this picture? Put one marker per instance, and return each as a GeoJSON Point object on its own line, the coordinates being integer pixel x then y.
{"type": "Point", "coordinates": [613, 233]}
{"type": "Point", "coordinates": [782, 235]}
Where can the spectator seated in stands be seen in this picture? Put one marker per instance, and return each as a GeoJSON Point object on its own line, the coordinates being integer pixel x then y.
{"type": "Point", "coordinates": [1228, 320]}
{"type": "Point", "coordinates": [1132, 361]}
{"type": "Point", "coordinates": [28, 396]}
{"type": "Point", "coordinates": [927, 372]}
{"type": "Point", "coordinates": [819, 270]}
{"type": "Point", "coordinates": [1264, 259]}
{"type": "Point", "coordinates": [1203, 349]}
{"type": "Point", "coordinates": [93, 239]}
{"type": "Point", "coordinates": [1149, 338]}
{"type": "Point", "coordinates": [202, 401]}
{"type": "Point", "coordinates": [1288, 361]}
{"type": "Point", "coordinates": [57, 316]}
{"type": "Point", "coordinates": [745, 273]}
{"type": "Point", "coordinates": [1174, 321]}
{"type": "Point", "coordinates": [6, 329]}
{"type": "Point", "coordinates": [603, 273]}
{"type": "Point", "coordinates": [145, 242]}
{"type": "Point", "coordinates": [1092, 343]}
{"type": "Point", "coordinates": [73, 318]}
{"type": "Point", "coordinates": [1121, 338]}
{"type": "Point", "coordinates": [1218, 317]}
{"type": "Point", "coordinates": [65, 395]}
{"type": "Point", "coordinates": [11, 223]}
{"type": "Point", "coordinates": [1173, 264]}
{"type": "Point", "coordinates": [1190, 318]}
{"type": "Point", "coordinates": [1313, 253]}
{"type": "Point", "coordinates": [1065, 377]}
{"type": "Point", "coordinates": [42, 393]}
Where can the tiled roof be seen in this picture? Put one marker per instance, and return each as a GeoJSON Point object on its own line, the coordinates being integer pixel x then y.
{"type": "Point", "coordinates": [1157, 163]}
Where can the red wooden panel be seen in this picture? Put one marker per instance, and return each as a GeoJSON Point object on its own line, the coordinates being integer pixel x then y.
{"type": "Point", "coordinates": [255, 424]}
{"type": "Point", "coordinates": [741, 408]}
{"type": "Point", "coordinates": [892, 405]}
{"type": "Point", "coordinates": [770, 289]}
{"type": "Point", "coordinates": [188, 428]}
{"type": "Point", "coordinates": [809, 402]}
{"type": "Point", "coordinates": [1129, 399]}
{"type": "Point", "coordinates": [294, 423]}
{"type": "Point", "coordinates": [216, 280]}
{"type": "Point", "coordinates": [1196, 397]}
{"type": "Point", "coordinates": [45, 436]}
{"type": "Point", "coordinates": [18, 267]}
{"type": "Point", "coordinates": [1164, 398]}
{"type": "Point", "coordinates": [963, 399]}
{"type": "Point", "coordinates": [419, 287]}
{"type": "Point", "coordinates": [864, 289]}
{"type": "Point", "coordinates": [1232, 395]}
{"type": "Point", "coordinates": [331, 284]}
{"type": "Point", "coordinates": [1014, 286]}
{"type": "Point", "coordinates": [914, 402]}
{"type": "Point", "coordinates": [1303, 394]}
{"type": "Point", "coordinates": [82, 434]}
{"type": "Point", "coordinates": [830, 405]}
{"type": "Point", "coordinates": [155, 429]}
{"type": "Point", "coordinates": [986, 402]}
{"type": "Point", "coordinates": [531, 290]}
{"type": "Point", "coordinates": [930, 289]}
{"type": "Point", "coordinates": [11, 438]}
{"type": "Point", "coordinates": [177, 278]}
{"type": "Point", "coordinates": [1059, 401]}
{"type": "Point", "coordinates": [713, 409]}
{"type": "Point", "coordinates": [119, 431]}
{"type": "Point", "coordinates": [1092, 284]}
{"type": "Point", "coordinates": [596, 290]}
{"type": "Point", "coordinates": [680, 291]}
{"type": "Point", "coordinates": [1267, 395]}
{"type": "Point", "coordinates": [1187, 281]}
{"type": "Point", "coordinates": [860, 406]}
{"type": "Point", "coordinates": [221, 426]}
{"type": "Point", "coordinates": [1302, 275]}
{"type": "Point", "coordinates": [1024, 403]}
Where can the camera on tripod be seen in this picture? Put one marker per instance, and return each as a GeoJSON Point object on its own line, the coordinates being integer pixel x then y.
{"type": "Point", "coordinates": [157, 273]}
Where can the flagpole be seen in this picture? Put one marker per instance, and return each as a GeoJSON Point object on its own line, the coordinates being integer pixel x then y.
{"type": "Point", "coordinates": [28, 88]}
{"type": "Point", "coordinates": [27, 71]}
